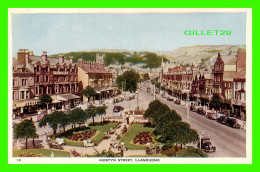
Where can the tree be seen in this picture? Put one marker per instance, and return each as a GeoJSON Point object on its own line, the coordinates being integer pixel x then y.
{"type": "Point", "coordinates": [25, 129]}
{"type": "Point", "coordinates": [166, 118]}
{"type": "Point", "coordinates": [128, 80]}
{"type": "Point", "coordinates": [155, 110]}
{"type": "Point", "coordinates": [89, 92]}
{"type": "Point", "coordinates": [77, 116]}
{"type": "Point", "coordinates": [215, 102]}
{"type": "Point", "coordinates": [45, 100]}
{"type": "Point", "coordinates": [192, 152]}
{"type": "Point", "coordinates": [91, 113]}
{"type": "Point", "coordinates": [101, 110]}
{"type": "Point", "coordinates": [53, 120]}
{"type": "Point", "coordinates": [177, 132]}
{"type": "Point", "coordinates": [64, 121]}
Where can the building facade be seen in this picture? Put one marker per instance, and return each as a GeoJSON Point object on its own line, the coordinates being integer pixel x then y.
{"type": "Point", "coordinates": [95, 75]}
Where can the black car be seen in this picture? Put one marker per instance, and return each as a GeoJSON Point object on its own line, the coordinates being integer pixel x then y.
{"type": "Point", "coordinates": [118, 108]}
{"type": "Point", "coordinates": [170, 99]}
{"type": "Point", "coordinates": [177, 101]}
{"type": "Point", "coordinates": [201, 111]}
{"type": "Point", "coordinates": [232, 122]}
{"type": "Point", "coordinates": [206, 145]}
{"type": "Point", "coordinates": [222, 119]}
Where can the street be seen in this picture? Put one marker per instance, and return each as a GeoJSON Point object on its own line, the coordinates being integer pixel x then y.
{"type": "Point", "coordinates": [230, 142]}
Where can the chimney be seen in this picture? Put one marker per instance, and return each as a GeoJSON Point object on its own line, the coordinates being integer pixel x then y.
{"type": "Point", "coordinates": [80, 63]}
{"type": "Point", "coordinates": [21, 55]}
{"type": "Point", "coordinates": [27, 58]}
{"type": "Point", "coordinates": [71, 59]}
{"type": "Point", "coordinates": [31, 53]}
{"type": "Point", "coordinates": [61, 58]}
{"type": "Point", "coordinates": [44, 56]}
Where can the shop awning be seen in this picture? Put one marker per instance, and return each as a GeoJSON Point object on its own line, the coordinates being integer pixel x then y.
{"type": "Point", "coordinates": [204, 96]}
{"type": "Point", "coordinates": [22, 103]}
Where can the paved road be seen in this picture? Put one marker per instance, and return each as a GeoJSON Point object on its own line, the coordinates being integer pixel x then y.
{"type": "Point", "coordinates": [229, 142]}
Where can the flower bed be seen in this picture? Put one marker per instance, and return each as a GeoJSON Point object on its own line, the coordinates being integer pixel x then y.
{"type": "Point", "coordinates": [80, 136]}
{"type": "Point", "coordinates": [31, 155]}
{"type": "Point", "coordinates": [143, 138]}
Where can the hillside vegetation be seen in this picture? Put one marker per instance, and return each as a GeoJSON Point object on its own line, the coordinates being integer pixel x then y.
{"type": "Point", "coordinates": [148, 59]}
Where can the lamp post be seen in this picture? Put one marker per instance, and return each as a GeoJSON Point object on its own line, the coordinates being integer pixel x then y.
{"type": "Point", "coordinates": [188, 111]}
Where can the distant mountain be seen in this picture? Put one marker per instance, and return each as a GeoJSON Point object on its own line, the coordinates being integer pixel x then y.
{"type": "Point", "coordinates": [201, 54]}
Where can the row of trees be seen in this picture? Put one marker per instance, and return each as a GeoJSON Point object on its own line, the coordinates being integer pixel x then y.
{"type": "Point", "coordinates": [76, 116]}
{"type": "Point", "coordinates": [169, 125]}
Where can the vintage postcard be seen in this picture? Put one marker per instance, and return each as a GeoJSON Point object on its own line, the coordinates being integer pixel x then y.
{"type": "Point", "coordinates": [130, 86]}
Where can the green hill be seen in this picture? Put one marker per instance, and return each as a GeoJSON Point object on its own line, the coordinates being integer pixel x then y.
{"type": "Point", "coordinates": [149, 59]}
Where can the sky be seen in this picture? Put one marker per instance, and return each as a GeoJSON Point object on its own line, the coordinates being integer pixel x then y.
{"type": "Point", "coordinates": [61, 33]}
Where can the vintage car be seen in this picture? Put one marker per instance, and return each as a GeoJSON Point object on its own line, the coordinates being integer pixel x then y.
{"type": "Point", "coordinates": [177, 101]}
{"type": "Point", "coordinates": [118, 108]}
{"type": "Point", "coordinates": [88, 143]}
{"type": "Point", "coordinates": [211, 115]}
{"type": "Point", "coordinates": [193, 106]}
{"type": "Point", "coordinates": [163, 95]}
{"type": "Point", "coordinates": [206, 145]}
{"type": "Point", "coordinates": [170, 98]}
{"type": "Point", "coordinates": [233, 122]}
{"type": "Point", "coordinates": [201, 111]}
{"type": "Point", "coordinates": [222, 119]}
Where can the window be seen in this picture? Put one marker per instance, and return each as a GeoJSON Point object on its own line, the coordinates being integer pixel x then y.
{"type": "Point", "coordinates": [242, 85]}
{"type": "Point", "coordinates": [38, 68]}
{"type": "Point", "coordinates": [27, 94]}
{"type": "Point", "coordinates": [13, 82]}
{"type": "Point", "coordinates": [37, 78]}
{"type": "Point", "coordinates": [236, 85]}
{"type": "Point", "coordinates": [47, 78]}
{"type": "Point", "coordinates": [24, 82]}
{"type": "Point", "coordinates": [36, 90]}
{"type": "Point", "coordinates": [22, 95]}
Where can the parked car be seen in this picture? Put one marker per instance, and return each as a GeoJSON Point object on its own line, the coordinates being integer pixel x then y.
{"type": "Point", "coordinates": [222, 119]}
{"type": "Point", "coordinates": [232, 122]}
{"type": "Point", "coordinates": [177, 101]}
{"type": "Point", "coordinates": [211, 115]}
{"type": "Point", "coordinates": [193, 107]}
{"type": "Point", "coordinates": [201, 111]}
{"type": "Point", "coordinates": [206, 145]}
{"type": "Point", "coordinates": [88, 143]}
{"type": "Point", "coordinates": [163, 95]}
{"type": "Point", "coordinates": [169, 98]}
{"type": "Point", "coordinates": [118, 108]}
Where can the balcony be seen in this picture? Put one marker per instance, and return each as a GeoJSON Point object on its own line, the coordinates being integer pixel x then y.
{"type": "Point", "coordinates": [60, 73]}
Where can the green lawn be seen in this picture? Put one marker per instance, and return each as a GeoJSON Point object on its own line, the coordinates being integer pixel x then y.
{"type": "Point", "coordinates": [130, 135]}
{"type": "Point", "coordinates": [44, 152]}
{"type": "Point", "coordinates": [100, 128]}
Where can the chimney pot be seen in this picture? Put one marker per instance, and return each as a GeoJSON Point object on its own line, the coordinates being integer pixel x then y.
{"type": "Point", "coordinates": [61, 58]}
{"type": "Point", "coordinates": [44, 56]}
{"type": "Point", "coordinates": [71, 59]}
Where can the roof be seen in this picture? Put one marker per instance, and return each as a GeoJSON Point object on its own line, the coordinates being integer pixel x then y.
{"type": "Point", "coordinates": [52, 61]}
{"type": "Point", "coordinates": [94, 68]}
{"type": "Point", "coordinates": [233, 61]}
{"type": "Point", "coordinates": [68, 96]}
